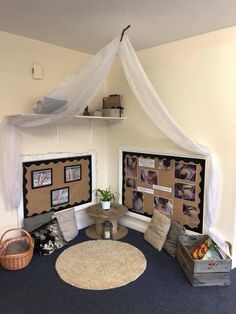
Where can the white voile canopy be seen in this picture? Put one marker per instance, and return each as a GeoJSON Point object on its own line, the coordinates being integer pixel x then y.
{"type": "Point", "coordinates": [78, 90]}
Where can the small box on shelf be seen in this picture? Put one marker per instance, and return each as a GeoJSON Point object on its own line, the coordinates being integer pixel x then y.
{"type": "Point", "coordinates": [113, 101]}
{"type": "Point", "coordinates": [113, 106]}
{"type": "Point", "coordinates": [97, 113]}
{"type": "Point", "coordinates": [111, 112]}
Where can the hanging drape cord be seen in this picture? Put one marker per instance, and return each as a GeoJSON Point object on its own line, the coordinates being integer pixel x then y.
{"type": "Point", "coordinates": [124, 30]}
{"type": "Point", "coordinates": [57, 134]}
{"type": "Point", "coordinates": [91, 131]}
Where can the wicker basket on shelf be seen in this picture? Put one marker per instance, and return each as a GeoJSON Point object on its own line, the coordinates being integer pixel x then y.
{"type": "Point", "coordinates": [15, 261]}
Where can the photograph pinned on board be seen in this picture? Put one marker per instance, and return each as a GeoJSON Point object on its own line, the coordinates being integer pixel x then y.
{"type": "Point", "coordinates": [41, 178]}
{"type": "Point", "coordinates": [163, 164]}
{"type": "Point", "coordinates": [148, 177]}
{"type": "Point", "coordinates": [185, 171]}
{"type": "Point", "coordinates": [59, 196]}
{"type": "Point", "coordinates": [185, 191]}
{"type": "Point", "coordinates": [131, 167]}
{"type": "Point", "coordinates": [163, 205]}
{"type": "Point", "coordinates": [131, 183]}
{"type": "Point", "coordinates": [137, 202]}
{"type": "Point", "coordinates": [190, 211]}
{"type": "Point", "coordinates": [72, 173]}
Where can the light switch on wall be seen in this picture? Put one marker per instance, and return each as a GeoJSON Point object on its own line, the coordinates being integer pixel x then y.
{"type": "Point", "coordinates": [37, 71]}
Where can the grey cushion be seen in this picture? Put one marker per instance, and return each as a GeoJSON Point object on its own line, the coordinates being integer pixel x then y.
{"type": "Point", "coordinates": [34, 222]}
{"type": "Point", "coordinates": [48, 105]}
{"type": "Point", "coordinates": [157, 230]}
{"type": "Point", "coordinates": [176, 230]}
{"type": "Point", "coordinates": [67, 223]}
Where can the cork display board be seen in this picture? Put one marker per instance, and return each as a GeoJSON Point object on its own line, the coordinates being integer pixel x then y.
{"type": "Point", "coordinates": [56, 184]}
{"type": "Point", "coordinates": [173, 185]}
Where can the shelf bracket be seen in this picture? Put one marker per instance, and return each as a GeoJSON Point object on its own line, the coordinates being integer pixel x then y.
{"type": "Point", "coordinates": [91, 131]}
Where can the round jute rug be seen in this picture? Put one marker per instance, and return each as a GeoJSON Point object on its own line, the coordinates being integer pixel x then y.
{"type": "Point", "coordinates": [100, 264]}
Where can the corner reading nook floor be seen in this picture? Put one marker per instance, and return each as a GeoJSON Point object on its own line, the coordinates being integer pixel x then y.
{"type": "Point", "coordinates": [100, 264]}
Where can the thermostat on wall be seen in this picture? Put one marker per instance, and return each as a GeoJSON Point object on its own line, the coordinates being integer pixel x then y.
{"type": "Point", "coordinates": [37, 71]}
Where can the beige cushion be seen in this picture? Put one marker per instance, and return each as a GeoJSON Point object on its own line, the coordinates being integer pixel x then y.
{"type": "Point", "coordinates": [67, 223]}
{"type": "Point", "coordinates": [157, 230]}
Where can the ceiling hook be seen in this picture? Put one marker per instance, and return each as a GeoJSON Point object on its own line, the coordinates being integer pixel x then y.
{"type": "Point", "coordinates": [122, 34]}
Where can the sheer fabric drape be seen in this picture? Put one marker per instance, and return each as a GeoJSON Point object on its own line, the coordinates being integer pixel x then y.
{"type": "Point", "coordinates": [79, 89]}
{"type": "Point", "coordinates": [151, 103]}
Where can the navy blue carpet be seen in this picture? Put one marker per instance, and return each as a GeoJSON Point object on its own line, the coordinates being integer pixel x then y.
{"type": "Point", "coordinates": [162, 288]}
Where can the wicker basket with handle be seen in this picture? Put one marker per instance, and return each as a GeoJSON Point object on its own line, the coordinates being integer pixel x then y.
{"type": "Point", "coordinates": [18, 260]}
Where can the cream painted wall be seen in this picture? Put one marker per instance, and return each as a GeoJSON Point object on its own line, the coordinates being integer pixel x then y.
{"type": "Point", "coordinates": [18, 92]}
{"type": "Point", "coordinates": [194, 77]}
{"type": "Point", "coordinates": [196, 80]}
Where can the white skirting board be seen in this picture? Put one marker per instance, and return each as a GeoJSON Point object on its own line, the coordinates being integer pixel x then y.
{"type": "Point", "coordinates": [134, 223]}
{"type": "Point", "coordinates": [83, 221]}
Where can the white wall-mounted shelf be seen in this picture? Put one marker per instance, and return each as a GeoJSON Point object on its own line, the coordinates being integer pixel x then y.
{"type": "Point", "coordinates": [91, 118]}
{"type": "Point", "coordinates": [107, 119]}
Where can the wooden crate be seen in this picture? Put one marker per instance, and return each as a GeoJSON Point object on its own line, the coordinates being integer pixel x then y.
{"type": "Point", "coordinates": [112, 101]}
{"type": "Point", "coordinates": [202, 272]}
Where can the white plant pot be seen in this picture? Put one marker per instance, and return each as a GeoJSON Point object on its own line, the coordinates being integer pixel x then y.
{"type": "Point", "coordinates": [106, 205]}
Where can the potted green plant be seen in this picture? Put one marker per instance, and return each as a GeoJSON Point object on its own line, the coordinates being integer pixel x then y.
{"type": "Point", "coordinates": [105, 196]}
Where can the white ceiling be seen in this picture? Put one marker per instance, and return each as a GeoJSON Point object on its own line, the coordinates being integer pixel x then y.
{"type": "Point", "coordinates": [88, 25]}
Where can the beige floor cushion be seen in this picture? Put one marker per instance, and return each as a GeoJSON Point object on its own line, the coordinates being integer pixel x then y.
{"type": "Point", "coordinates": [157, 230]}
{"type": "Point", "coordinates": [67, 223]}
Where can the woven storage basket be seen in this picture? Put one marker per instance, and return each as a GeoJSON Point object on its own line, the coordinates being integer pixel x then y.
{"type": "Point", "coordinates": [16, 261]}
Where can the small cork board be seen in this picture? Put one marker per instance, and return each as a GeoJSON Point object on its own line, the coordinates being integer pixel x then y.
{"type": "Point", "coordinates": [173, 185]}
{"type": "Point", "coordinates": [56, 184]}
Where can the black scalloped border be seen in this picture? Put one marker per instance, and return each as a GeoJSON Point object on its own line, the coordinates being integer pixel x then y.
{"type": "Point", "coordinates": [202, 162]}
{"type": "Point", "coordinates": [55, 161]}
